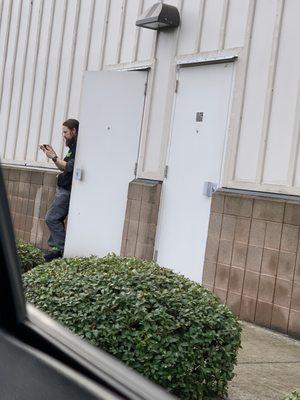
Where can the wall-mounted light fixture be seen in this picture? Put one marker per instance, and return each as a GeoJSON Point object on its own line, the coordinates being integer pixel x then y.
{"type": "Point", "coordinates": [159, 16]}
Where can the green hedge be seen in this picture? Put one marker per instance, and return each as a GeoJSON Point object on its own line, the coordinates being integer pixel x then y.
{"type": "Point", "coordinates": [295, 395]}
{"type": "Point", "coordinates": [168, 328]}
{"type": "Point", "coordinates": [29, 255]}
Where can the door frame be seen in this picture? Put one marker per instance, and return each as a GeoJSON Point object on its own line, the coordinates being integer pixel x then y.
{"type": "Point", "coordinates": [148, 66]}
{"type": "Point", "coordinates": [194, 63]}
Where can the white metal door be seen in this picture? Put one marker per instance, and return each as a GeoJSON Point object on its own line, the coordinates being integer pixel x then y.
{"type": "Point", "coordinates": [196, 153]}
{"type": "Point", "coordinates": [110, 122]}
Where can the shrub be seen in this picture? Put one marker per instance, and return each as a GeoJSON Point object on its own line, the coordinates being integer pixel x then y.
{"type": "Point", "coordinates": [29, 256]}
{"type": "Point", "coordinates": [168, 328]}
{"type": "Point", "coordinates": [295, 395]}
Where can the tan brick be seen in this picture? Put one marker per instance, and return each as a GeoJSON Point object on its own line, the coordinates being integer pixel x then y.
{"type": "Point", "coordinates": [251, 283]}
{"type": "Point", "coordinates": [222, 276]}
{"type": "Point", "coordinates": [151, 193]}
{"type": "Point", "coordinates": [242, 230]}
{"type": "Point", "coordinates": [30, 207]}
{"type": "Point", "coordinates": [268, 210]}
{"type": "Point", "coordinates": [283, 293]}
{"type": "Point", "coordinates": [215, 223]}
{"type": "Point", "coordinates": [294, 323]}
{"type": "Point", "coordinates": [5, 173]}
{"type": "Point", "coordinates": [44, 196]}
{"type": "Point", "coordinates": [127, 212]}
{"type": "Point", "coordinates": [132, 230]}
{"type": "Point", "coordinates": [248, 306]}
{"type": "Point", "coordinates": [24, 206]}
{"type": "Point", "coordinates": [9, 188]}
{"type": "Point", "coordinates": [51, 194]}
{"type": "Point", "coordinates": [28, 223]}
{"type": "Point", "coordinates": [152, 232]}
{"type": "Point", "coordinates": [17, 221]}
{"type": "Point", "coordinates": [26, 237]}
{"type": "Point", "coordinates": [286, 265]}
{"type": "Point", "coordinates": [292, 214]}
{"type": "Point", "coordinates": [123, 248]}
{"type": "Point", "coordinates": [217, 203]}
{"type": "Point", "coordinates": [135, 210]}
{"type": "Point", "coordinates": [221, 294]}
{"type": "Point", "coordinates": [228, 227]}
{"type": "Point", "coordinates": [233, 302]}
{"type": "Point", "coordinates": [130, 248]}
{"type": "Point", "coordinates": [289, 240]}
{"type": "Point", "coordinates": [50, 179]}
{"type": "Point", "coordinates": [239, 206]}
{"type": "Point", "coordinates": [257, 233]}
{"type": "Point", "coordinates": [266, 288]}
{"type": "Point", "coordinates": [154, 214]}
{"type": "Point", "coordinates": [236, 280]}
{"type": "Point", "coordinates": [297, 269]}
{"type": "Point", "coordinates": [225, 251]}
{"type": "Point", "coordinates": [125, 230]}
{"type": "Point", "coordinates": [270, 262]}
{"type": "Point", "coordinates": [280, 317]}
{"type": "Point", "coordinates": [254, 258]}
{"type": "Point", "coordinates": [135, 191]}
{"type": "Point", "coordinates": [209, 271]}
{"type": "Point", "coordinates": [140, 250]}
{"type": "Point", "coordinates": [239, 254]}
{"type": "Point", "coordinates": [13, 204]}
{"type": "Point", "coordinates": [143, 236]}
{"type": "Point", "coordinates": [15, 189]}
{"type": "Point", "coordinates": [295, 304]}
{"type": "Point", "coordinates": [37, 178]}
{"type": "Point", "coordinates": [145, 212]}
{"type": "Point", "coordinates": [273, 235]}
{"type": "Point", "coordinates": [24, 189]}
{"type": "Point", "coordinates": [25, 176]}
{"type": "Point", "coordinates": [14, 175]}
{"type": "Point", "coordinates": [263, 314]}
{"type": "Point", "coordinates": [211, 252]}
{"type": "Point", "coordinates": [43, 210]}
{"type": "Point", "coordinates": [32, 191]}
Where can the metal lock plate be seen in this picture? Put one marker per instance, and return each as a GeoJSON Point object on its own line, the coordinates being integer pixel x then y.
{"type": "Point", "coordinates": [199, 116]}
{"type": "Point", "coordinates": [209, 188]}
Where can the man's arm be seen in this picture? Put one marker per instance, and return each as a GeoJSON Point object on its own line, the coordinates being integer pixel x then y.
{"type": "Point", "coordinates": [61, 164]}
{"type": "Point", "coordinates": [50, 153]}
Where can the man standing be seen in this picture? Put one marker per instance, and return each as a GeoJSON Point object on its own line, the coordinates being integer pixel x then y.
{"type": "Point", "coordinates": [59, 209]}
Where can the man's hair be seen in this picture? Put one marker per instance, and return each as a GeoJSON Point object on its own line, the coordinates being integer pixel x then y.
{"type": "Point", "coordinates": [71, 124]}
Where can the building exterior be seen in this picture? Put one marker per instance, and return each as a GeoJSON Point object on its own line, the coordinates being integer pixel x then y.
{"type": "Point", "coordinates": [217, 105]}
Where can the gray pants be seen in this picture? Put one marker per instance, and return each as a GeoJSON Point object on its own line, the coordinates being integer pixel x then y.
{"type": "Point", "coordinates": [55, 218]}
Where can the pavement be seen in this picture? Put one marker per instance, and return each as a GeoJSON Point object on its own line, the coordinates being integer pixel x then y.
{"type": "Point", "coordinates": [268, 365]}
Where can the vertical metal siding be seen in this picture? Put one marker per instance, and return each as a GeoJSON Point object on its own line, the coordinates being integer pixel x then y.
{"type": "Point", "coordinates": [9, 72]}
{"type": "Point", "coordinates": [46, 45]}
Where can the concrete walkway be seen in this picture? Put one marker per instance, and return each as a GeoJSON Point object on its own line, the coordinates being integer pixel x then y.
{"type": "Point", "coordinates": [268, 366]}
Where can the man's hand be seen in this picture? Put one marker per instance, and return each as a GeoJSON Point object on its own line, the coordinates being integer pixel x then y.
{"type": "Point", "coordinates": [48, 150]}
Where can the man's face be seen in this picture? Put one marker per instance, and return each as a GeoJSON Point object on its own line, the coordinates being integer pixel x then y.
{"type": "Point", "coordinates": [69, 135]}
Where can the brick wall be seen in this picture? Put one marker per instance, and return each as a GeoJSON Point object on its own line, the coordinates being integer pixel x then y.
{"type": "Point", "coordinates": [30, 194]}
{"type": "Point", "coordinates": [141, 218]}
{"type": "Point", "coordinates": [252, 259]}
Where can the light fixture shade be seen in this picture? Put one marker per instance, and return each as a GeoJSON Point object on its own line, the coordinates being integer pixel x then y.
{"type": "Point", "coordinates": [159, 16]}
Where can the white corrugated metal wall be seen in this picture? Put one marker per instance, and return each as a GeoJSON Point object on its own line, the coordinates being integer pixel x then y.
{"type": "Point", "coordinates": [45, 45]}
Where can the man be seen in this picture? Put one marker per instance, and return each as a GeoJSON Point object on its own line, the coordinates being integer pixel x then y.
{"type": "Point", "coordinates": [58, 211]}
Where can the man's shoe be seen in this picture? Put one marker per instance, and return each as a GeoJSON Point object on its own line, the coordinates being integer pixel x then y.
{"type": "Point", "coordinates": [52, 255]}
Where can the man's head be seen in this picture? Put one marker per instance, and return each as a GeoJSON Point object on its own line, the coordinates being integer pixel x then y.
{"type": "Point", "coordinates": [70, 131]}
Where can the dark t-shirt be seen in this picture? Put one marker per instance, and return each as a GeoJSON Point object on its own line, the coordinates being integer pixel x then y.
{"type": "Point", "coordinates": [64, 179]}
